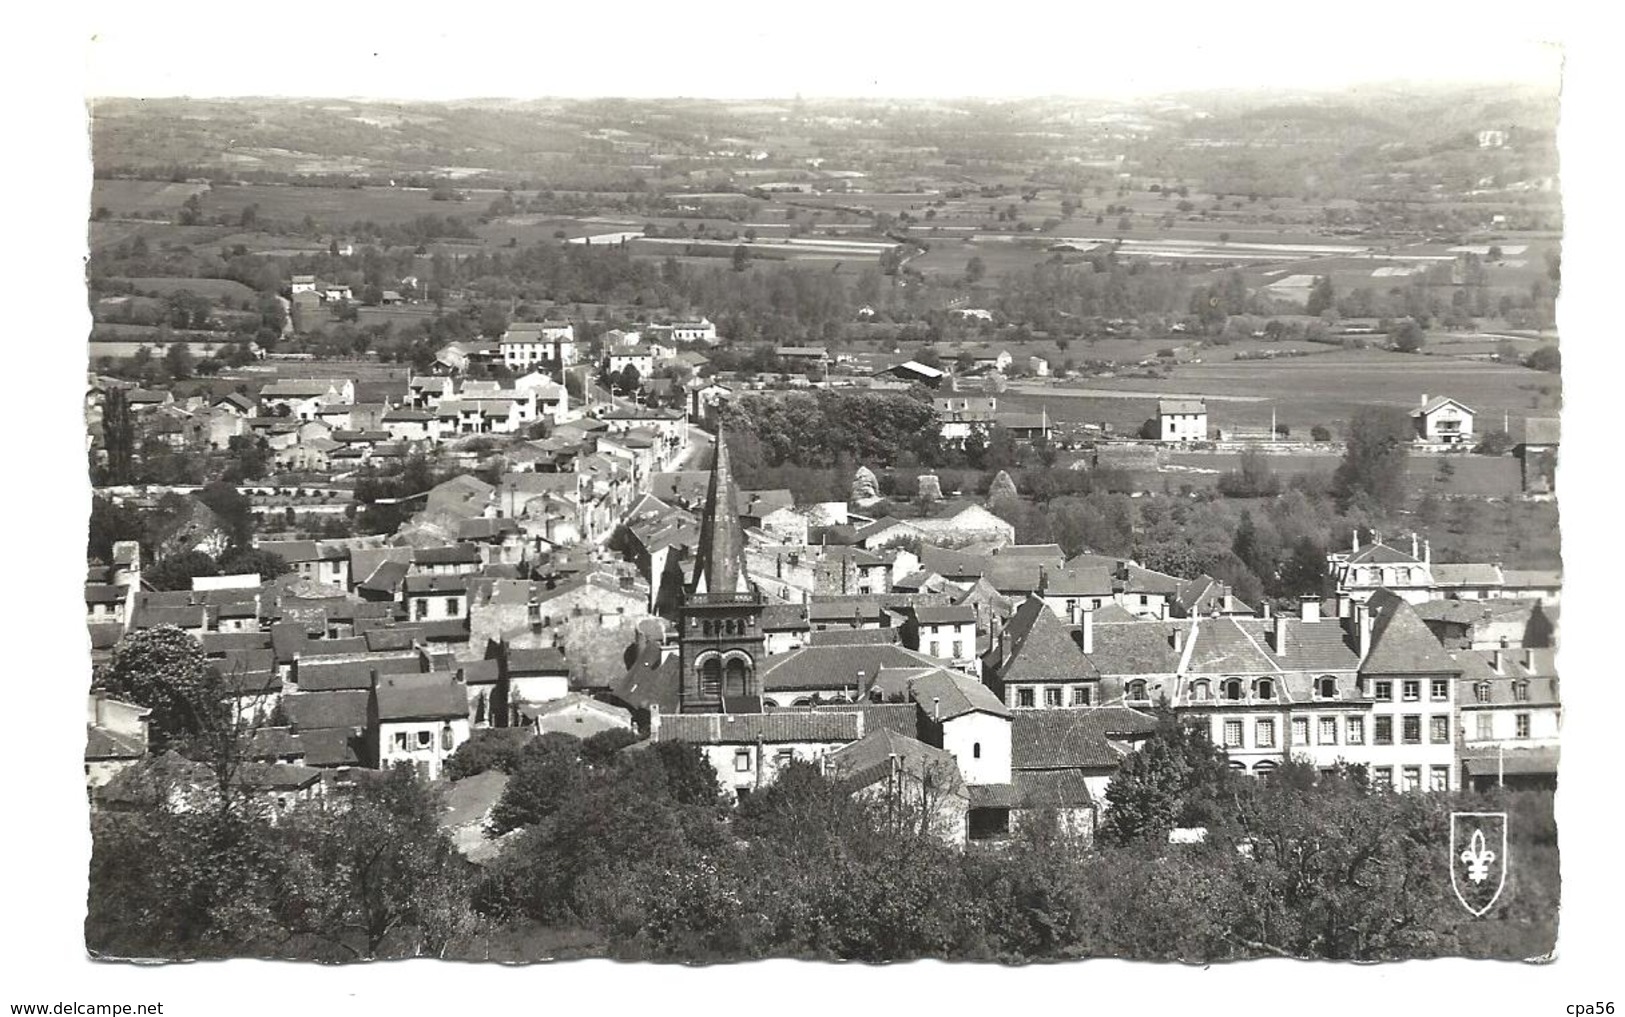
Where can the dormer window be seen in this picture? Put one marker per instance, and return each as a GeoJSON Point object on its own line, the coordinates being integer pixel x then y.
{"type": "Point", "coordinates": [1265, 688]}
{"type": "Point", "coordinates": [1326, 687]}
{"type": "Point", "coordinates": [1481, 692]}
{"type": "Point", "coordinates": [1201, 691]}
{"type": "Point", "coordinates": [1520, 690]}
{"type": "Point", "coordinates": [1232, 689]}
{"type": "Point", "coordinates": [1136, 690]}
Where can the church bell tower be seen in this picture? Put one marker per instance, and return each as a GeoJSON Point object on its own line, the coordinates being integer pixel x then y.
{"type": "Point", "coordinates": [720, 641]}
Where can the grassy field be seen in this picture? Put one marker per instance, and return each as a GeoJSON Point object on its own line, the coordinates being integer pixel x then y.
{"type": "Point", "coordinates": [1452, 475]}
{"type": "Point", "coordinates": [340, 205]}
{"type": "Point", "coordinates": [1302, 391]}
{"type": "Point", "coordinates": [131, 197]}
{"type": "Point", "coordinates": [214, 289]}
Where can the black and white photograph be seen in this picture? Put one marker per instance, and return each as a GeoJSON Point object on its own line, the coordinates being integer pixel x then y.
{"type": "Point", "coordinates": [1037, 490]}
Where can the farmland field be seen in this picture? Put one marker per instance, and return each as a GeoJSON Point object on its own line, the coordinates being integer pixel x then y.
{"type": "Point", "coordinates": [1302, 392]}
{"type": "Point", "coordinates": [131, 197]}
{"type": "Point", "coordinates": [340, 205]}
{"type": "Point", "coordinates": [214, 289]}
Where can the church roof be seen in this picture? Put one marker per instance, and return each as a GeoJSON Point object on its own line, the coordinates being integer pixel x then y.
{"type": "Point", "coordinates": [720, 562]}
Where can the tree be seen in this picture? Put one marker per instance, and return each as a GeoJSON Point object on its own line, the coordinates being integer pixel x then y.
{"type": "Point", "coordinates": [247, 560]}
{"type": "Point", "coordinates": [177, 570]}
{"type": "Point", "coordinates": [741, 258]}
{"type": "Point", "coordinates": [1408, 336]}
{"type": "Point", "coordinates": [377, 870]}
{"type": "Point", "coordinates": [1321, 297]}
{"type": "Point", "coordinates": [546, 776]}
{"type": "Point", "coordinates": [162, 668]}
{"type": "Point", "coordinates": [1495, 443]}
{"type": "Point", "coordinates": [602, 748]}
{"type": "Point", "coordinates": [1304, 572]}
{"type": "Point", "coordinates": [118, 436]}
{"type": "Point", "coordinates": [975, 269]}
{"type": "Point", "coordinates": [492, 748]}
{"type": "Point", "coordinates": [1547, 358]}
{"type": "Point", "coordinates": [178, 360]}
{"type": "Point", "coordinates": [233, 509]}
{"type": "Point", "coordinates": [1172, 781]}
{"type": "Point", "coordinates": [1373, 465]}
{"type": "Point", "coordinates": [1320, 432]}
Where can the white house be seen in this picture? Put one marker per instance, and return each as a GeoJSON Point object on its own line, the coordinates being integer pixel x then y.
{"type": "Point", "coordinates": [748, 750]}
{"type": "Point", "coordinates": [422, 719]}
{"type": "Point", "coordinates": [528, 343]}
{"type": "Point", "coordinates": [1182, 420]}
{"type": "Point", "coordinates": [1443, 421]}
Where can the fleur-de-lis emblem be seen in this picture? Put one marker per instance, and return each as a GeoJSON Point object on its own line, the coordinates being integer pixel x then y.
{"type": "Point", "coordinates": [1478, 858]}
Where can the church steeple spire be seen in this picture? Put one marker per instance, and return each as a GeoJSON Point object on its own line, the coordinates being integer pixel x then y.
{"type": "Point", "coordinates": [720, 563]}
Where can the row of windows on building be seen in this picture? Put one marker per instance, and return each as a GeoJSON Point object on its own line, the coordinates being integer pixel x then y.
{"type": "Point", "coordinates": [957, 645]}
{"type": "Point", "coordinates": [1353, 731]}
{"type": "Point", "coordinates": [1410, 778]}
{"type": "Point", "coordinates": [1236, 689]}
{"type": "Point", "coordinates": [407, 741]}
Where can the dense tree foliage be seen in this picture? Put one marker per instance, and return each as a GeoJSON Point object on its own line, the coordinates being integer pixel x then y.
{"type": "Point", "coordinates": [162, 668]}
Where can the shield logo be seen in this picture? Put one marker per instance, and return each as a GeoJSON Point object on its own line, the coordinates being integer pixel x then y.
{"type": "Point", "coordinates": [1478, 858]}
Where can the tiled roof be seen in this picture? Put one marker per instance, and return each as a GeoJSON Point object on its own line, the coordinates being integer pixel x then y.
{"type": "Point", "coordinates": [1438, 403]}
{"type": "Point", "coordinates": [944, 614]}
{"type": "Point", "coordinates": [313, 711]}
{"type": "Point", "coordinates": [994, 796]}
{"type": "Point", "coordinates": [480, 672]}
{"type": "Point", "coordinates": [944, 695]}
{"type": "Point", "coordinates": [770, 728]}
{"type": "Point", "coordinates": [1381, 554]}
{"type": "Point", "coordinates": [1516, 762]}
{"type": "Point", "coordinates": [100, 743]}
{"type": "Point", "coordinates": [386, 578]}
{"type": "Point", "coordinates": [423, 585]}
{"type": "Point", "coordinates": [1516, 578]}
{"type": "Point", "coordinates": [869, 760]}
{"type": "Point", "coordinates": [1144, 580]}
{"type": "Point", "coordinates": [420, 697]}
{"type": "Point", "coordinates": [451, 554]}
{"type": "Point", "coordinates": [1466, 574]}
{"type": "Point", "coordinates": [1051, 789]}
{"type": "Point", "coordinates": [835, 667]}
{"type": "Point", "coordinates": [274, 743]}
{"type": "Point", "coordinates": [1181, 406]}
{"type": "Point", "coordinates": [1067, 737]}
{"type": "Point", "coordinates": [853, 637]}
{"type": "Point", "coordinates": [101, 593]}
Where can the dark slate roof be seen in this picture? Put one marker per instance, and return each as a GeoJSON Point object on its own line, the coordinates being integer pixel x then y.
{"type": "Point", "coordinates": [105, 635]}
{"type": "Point", "coordinates": [314, 711]}
{"type": "Point", "coordinates": [835, 667]}
{"type": "Point", "coordinates": [1222, 645]}
{"type": "Point", "coordinates": [720, 555]}
{"type": "Point", "coordinates": [103, 593]}
{"type": "Point", "coordinates": [420, 697]}
{"type": "Point", "coordinates": [451, 554]}
{"type": "Point", "coordinates": [1466, 574]}
{"type": "Point", "coordinates": [541, 660]}
{"type": "Point", "coordinates": [479, 672]}
{"type": "Point", "coordinates": [1043, 647]}
{"type": "Point", "coordinates": [1144, 580]}
{"type": "Point", "coordinates": [101, 743]}
{"type": "Point", "coordinates": [650, 682]}
{"type": "Point", "coordinates": [218, 643]}
{"type": "Point", "coordinates": [784, 617]}
{"type": "Point", "coordinates": [423, 585]}
{"type": "Point", "coordinates": [1401, 643]}
{"type": "Point", "coordinates": [386, 578]}
{"type": "Point", "coordinates": [1381, 554]}
{"type": "Point", "coordinates": [1078, 582]}
{"type": "Point", "coordinates": [1137, 647]}
{"type": "Point", "coordinates": [1308, 646]}
{"type": "Point", "coordinates": [1073, 737]}
{"type": "Point", "coordinates": [903, 718]}
{"type": "Point", "coordinates": [770, 728]}
{"type": "Point", "coordinates": [274, 743]}
{"type": "Point", "coordinates": [994, 796]}
{"type": "Point", "coordinates": [337, 746]}
{"type": "Point", "coordinates": [339, 675]}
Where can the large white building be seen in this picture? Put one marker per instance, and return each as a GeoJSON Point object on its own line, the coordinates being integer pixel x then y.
{"type": "Point", "coordinates": [528, 344]}
{"type": "Point", "coordinates": [1181, 420]}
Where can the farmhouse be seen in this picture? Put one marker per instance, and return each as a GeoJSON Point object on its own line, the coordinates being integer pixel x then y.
{"type": "Point", "coordinates": [1181, 420]}
{"type": "Point", "coordinates": [528, 343]}
{"type": "Point", "coordinates": [1443, 421]}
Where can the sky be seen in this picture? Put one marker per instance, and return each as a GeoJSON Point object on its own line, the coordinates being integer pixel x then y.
{"type": "Point", "coordinates": [836, 49]}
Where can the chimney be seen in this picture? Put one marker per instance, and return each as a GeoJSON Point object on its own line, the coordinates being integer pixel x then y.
{"type": "Point", "coordinates": [1229, 600]}
{"type": "Point", "coordinates": [1344, 608]}
{"type": "Point", "coordinates": [1354, 544]}
{"type": "Point", "coordinates": [1264, 610]}
{"type": "Point", "coordinates": [1424, 401]}
{"type": "Point", "coordinates": [1309, 609]}
{"type": "Point", "coordinates": [1179, 640]}
{"type": "Point", "coordinates": [654, 722]}
{"type": "Point", "coordinates": [1498, 663]}
{"type": "Point", "coordinates": [1072, 613]}
{"type": "Point", "coordinates": [1088, 632]}
{"type": "Point", "coordinates": [1362, 628]}
{"type": "Point", "coordinates": [1280, 634]}
{"type": "Point", "coordinates": [1414, 548]}
{"type": "Point", "coordinates": [1043, 579]}
{"type": "Point", "coordinates": [1162, 610]}
{"type": "Point", "coordinates": [1529, 660]}
{"type": "Point", "coordinates": [936, 708]}
{"type": "Point", "coordinates": [1427, 552]}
